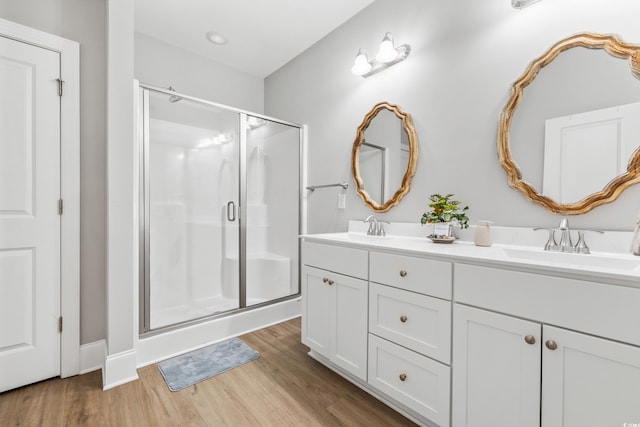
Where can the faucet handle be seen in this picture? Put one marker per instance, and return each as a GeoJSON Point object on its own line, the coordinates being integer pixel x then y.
{"type": "Point", "coordinates": [581, 247]}
{"type": "Point", "coordinates": [380, 230]}
{"type": "Point", "coordinates": [551, 244]}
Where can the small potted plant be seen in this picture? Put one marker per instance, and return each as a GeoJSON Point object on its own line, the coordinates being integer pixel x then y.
{"type": "Point", "coordinates": [445, 212]}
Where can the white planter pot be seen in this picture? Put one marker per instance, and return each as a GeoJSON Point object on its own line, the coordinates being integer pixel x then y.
{"type": "Point", "coordinates": [442, 229]}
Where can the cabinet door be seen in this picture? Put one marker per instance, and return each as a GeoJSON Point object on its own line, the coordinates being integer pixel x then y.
{"type": "Point", "coordinates": [496, 371]}
{"type": "Point", "coordinates": [317, 305]}
{"type": "Point", "coordinates": [334, 318]}
{"type": "Point", "coordinates": [588, 381]}
{"type": "Point", "coordinates": [349, 325]}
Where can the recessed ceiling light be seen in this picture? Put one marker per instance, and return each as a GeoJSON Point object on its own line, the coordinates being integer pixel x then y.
{"type": "Point", "coordinates": [216, 38]}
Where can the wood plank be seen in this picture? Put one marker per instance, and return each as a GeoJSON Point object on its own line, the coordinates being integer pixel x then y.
{"type": "Point", "coordinates": [284, 387]}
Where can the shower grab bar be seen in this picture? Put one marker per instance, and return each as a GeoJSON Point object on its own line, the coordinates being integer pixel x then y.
{"type": "Point", "coordinates": [340, 184]}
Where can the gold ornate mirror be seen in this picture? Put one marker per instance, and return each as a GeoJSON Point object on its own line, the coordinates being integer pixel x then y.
{"type": "Point", "coordinates": [576, 135]}
{"type": "Point", "coordinates": [384, 156]}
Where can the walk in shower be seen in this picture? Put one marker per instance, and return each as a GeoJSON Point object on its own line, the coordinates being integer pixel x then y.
{"type": "Point", "coordinates": [220, 202]}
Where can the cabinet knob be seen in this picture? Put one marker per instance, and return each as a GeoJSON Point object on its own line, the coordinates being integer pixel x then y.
{"type": "Point", "coordinates": [403, 318]}
{"type": "Point", "coordinates": [530, 339]}
{"type": "Point", "coordinates": [551, 345]}
{"type": "Point", "coordinates": [403, 377]}
{"type": "Point", "coordinates": [330, 282]}
{"type": "Point", "coordinates": [325, 279]}
{"type": "Point", "coordinates": [403, 273]}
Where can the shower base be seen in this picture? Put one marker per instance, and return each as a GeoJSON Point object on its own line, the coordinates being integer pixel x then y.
{"type": "Point", "coordinates": [186, 312]}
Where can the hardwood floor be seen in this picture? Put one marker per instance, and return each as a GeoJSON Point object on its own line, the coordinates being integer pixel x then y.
{"type": "Point", "coordinates": [284, 387]}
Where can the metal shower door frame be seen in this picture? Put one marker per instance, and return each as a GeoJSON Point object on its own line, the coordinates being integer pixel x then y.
{"type": "Point", "coordinates": [144, 203]}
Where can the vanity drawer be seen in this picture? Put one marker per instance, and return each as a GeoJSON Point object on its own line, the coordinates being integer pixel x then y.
{"type": "Point", "coordinates": [418, 322]}
{"type": "Point", "coordinates": [414, 380]}
{"type": "Point", "coordinates": [414, 274]}
{"type": "Point", "coordinates": [595, 308]}
{"type": "Point", "coordinates": [339, 259]}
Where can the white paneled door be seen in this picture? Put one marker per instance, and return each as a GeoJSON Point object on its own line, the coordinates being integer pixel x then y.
{"type": "Point", "coordinates": [29, 216]}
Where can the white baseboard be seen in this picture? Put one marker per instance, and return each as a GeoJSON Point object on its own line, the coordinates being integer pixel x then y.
{"type": "Point", "coordinates": [92, 356]}
{"type": "Point", "coordinates": [172, 343]}
{"type": "Point", "coordinates": [119, 368]}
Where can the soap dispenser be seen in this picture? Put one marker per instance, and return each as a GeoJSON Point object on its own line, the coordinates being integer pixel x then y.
{"type": "Point", "coordinates": [482, 235]}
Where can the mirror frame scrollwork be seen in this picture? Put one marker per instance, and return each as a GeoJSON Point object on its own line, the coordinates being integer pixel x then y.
{"type": "Point", "coordinates": [615, 47]}
{"type": "Point", "coordinates": [407, 125]}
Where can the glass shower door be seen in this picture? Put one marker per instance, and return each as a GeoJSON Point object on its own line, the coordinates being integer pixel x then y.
{"type": "Point", "coordinates": [191, 196]}
{"type": "Point", "coordinates": [272, 210]}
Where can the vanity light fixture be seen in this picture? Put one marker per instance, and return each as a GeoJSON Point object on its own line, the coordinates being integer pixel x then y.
{"type": "Point", "coordinates": [387, 55]}
{"type": "Point", "coordinates": [521, 4]}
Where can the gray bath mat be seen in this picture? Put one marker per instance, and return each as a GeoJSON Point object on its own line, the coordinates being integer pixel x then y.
{"type": "Point", "coordinates": [198, 365]}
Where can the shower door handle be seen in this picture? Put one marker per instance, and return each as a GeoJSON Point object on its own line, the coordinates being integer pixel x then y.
{"type": "Point", "coordinates": [231, 211]}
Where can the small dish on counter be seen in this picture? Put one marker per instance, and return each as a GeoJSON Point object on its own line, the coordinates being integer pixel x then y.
{"type": "Point", "coordinates": [441, 239]}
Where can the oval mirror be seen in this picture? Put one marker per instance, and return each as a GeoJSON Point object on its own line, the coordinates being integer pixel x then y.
{"type": "Point", "coordinates": [572, 143]}
{"type": "Point", "coordinates": [384, 156]}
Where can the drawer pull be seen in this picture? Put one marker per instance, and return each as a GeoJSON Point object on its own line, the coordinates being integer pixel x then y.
{"type": "Point", "coordinates": [530, 339]}
{"type": "Point", "coordinates": [403, 318]}
{"type": "Point", "coordinates": [551, 345]}
{"type": "Point", "coordinates": [403, 377]}
{"type": "Point", "coordinates": [403, 273]}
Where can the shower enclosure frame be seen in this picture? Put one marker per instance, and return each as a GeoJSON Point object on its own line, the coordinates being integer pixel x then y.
{"type": "Point", "coordinates": [144, 210]}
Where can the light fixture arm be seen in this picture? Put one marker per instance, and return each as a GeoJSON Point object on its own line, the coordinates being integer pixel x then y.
{"type": "Point", "coordinates": [376, 66]}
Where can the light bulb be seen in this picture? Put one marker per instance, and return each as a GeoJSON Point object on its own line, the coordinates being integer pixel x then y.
{"type": "Point", "coordinates": [387, 52]}
{"type": "Point", "coordinates": [361, 65]}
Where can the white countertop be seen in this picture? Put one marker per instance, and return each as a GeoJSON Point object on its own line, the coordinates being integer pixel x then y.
{"type": "Point", "coordinates": [616, 268]}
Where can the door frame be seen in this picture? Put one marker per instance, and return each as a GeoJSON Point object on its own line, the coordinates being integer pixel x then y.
{"type": "Point", "coordinates": [69, 185]}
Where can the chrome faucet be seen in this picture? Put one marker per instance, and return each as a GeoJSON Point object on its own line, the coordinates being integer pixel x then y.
{"type": "Point", "coordinates": [566, 244]}
{"type": "Point", "coordinates": [376, 227]}
{"type": "Point", "coordinates": [373, 225]}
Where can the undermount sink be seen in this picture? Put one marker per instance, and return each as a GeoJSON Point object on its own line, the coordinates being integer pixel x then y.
{"type": "Point", "coordinates": [575, 260]}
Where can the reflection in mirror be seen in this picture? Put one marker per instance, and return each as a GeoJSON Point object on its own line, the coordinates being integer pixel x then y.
{"type": "Point", "coordinates": [384, 156]}
{"type": "Point", "coordinates": [572, 142]}
{"type": "Point", "coordinates": [373, 160]}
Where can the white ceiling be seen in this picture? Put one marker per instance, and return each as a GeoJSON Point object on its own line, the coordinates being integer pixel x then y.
{"type": "Point", "coordinates": [263, 34]}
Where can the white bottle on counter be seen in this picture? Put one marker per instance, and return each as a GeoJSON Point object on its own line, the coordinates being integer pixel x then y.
{"type": "Point", "coordinates": [482, 235]}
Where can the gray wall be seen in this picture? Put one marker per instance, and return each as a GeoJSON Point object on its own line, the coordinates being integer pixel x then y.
{"type": "Point", "coordinates": [83, 21]}
{"type": "Point", "coordinates": [465, 56]}
{"type": "Point", "coordinates": [162, 65]}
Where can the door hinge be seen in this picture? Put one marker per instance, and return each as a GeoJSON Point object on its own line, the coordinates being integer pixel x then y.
{"type": "Point", "coordinates": [60, 207]}
{"type": "Point", "coordinates": [60, 324]}
{"type": "Point", "coordinates": [60, 82]}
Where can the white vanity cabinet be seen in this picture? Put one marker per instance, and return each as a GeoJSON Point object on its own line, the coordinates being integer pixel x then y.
{"type": "Point", "coordinates": [383, 320]}
{"type": "Point", "coordinates": [334, 311]}
{"type": "Point", "coordinates": [540, 350]}
{"type": "Point", "coordinates": [410, 332]}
